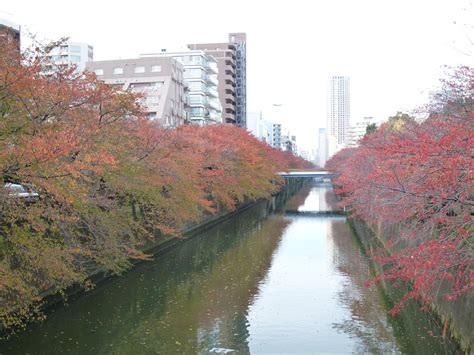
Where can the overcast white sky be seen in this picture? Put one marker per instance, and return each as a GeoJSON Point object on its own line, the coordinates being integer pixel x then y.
{"type": "Point", "coordinates": [393, 50]}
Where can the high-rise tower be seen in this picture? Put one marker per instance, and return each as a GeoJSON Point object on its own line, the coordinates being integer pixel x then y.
{"type": "Point", "coordinates": [232, 62]}
{"type": "Point", "coordinates": [339, 108]}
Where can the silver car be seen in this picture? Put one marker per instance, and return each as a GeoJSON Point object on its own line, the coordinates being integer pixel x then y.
{"type": "Point", "coordinates": [20, 191]}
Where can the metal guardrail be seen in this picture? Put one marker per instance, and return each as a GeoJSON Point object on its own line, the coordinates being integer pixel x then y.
{"type": "Point", "coordinates": [307, 174]}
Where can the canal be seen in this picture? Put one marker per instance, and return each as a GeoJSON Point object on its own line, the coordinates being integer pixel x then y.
{"type": "Point", "coordinates": [257, 283]}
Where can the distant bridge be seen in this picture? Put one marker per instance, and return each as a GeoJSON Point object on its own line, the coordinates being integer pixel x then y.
{"type": "Point", "coordinates": [326, 214]}
{"type": "Point", "coordinates": [308, 174]}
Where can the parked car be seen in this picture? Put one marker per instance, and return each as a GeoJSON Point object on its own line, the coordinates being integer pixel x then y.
{"type": "Point", "coordinates": [20, 191]}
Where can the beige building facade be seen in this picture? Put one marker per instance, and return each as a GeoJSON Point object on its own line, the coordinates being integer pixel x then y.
{"type": "Point", "coordinates": [160, 79]}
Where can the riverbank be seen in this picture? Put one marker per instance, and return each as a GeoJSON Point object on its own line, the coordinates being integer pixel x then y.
{"type": "Point", "coordinates": [255, 283]}
{"type": "Point", "coordinates": [165, 243]}
{"type": "Point", "coordinates": [455, 317]}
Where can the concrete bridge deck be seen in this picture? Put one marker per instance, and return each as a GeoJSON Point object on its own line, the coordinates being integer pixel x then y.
{"type": "Point", "coordinates": [308, 174]}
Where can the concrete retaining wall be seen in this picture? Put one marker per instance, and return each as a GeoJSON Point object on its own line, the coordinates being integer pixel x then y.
{"type": "Point", "coordinates": [457, 316]}
{"type": "Point", "coordinates": [163, 243]}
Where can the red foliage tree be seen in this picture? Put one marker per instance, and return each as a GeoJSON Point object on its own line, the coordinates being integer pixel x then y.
{"type": "Point", "coordinates": [420, 177]}
{"type": "Point", "coordinates": [109, 180]}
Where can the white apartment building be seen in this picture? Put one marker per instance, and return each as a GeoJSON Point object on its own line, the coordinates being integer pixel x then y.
{"type": "Point", "coordinates": [72, 53]}
{"type": "Point", "coordinates": [339, 108]}
{"type": "Point", "coordinates": [275, 135]}
{"type": "Point", "coordinates": [200, 78]}
{"type": "Point", "coordinates": [289, 143]}
{"type": "Point", "coordinates": [322, 155]}
{"type": "Point", "coordinates": [258, 126]}
{"type": "Point", "coordinates": [357, 131]}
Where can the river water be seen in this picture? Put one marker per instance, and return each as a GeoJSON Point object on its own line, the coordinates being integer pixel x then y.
{"type": "Point", "coordinates": [257, 283]}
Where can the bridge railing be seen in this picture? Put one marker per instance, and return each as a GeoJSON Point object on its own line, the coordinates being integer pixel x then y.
{"type": "Point", "coordinates": [308, 174]}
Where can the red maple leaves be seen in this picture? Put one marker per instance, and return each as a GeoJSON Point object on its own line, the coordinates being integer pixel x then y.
{"type": "Point", "coordinates": [109, 180]}
{"type": "Point", "coordinates": [420, 176]}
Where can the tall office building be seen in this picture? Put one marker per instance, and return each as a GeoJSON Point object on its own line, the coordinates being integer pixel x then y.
{"type": "Point", "coordinates": [232, 62]}
{"type": "Point", "coordinates": [71, 53]}
{"type": "Point", "coordinates": [339, 109]}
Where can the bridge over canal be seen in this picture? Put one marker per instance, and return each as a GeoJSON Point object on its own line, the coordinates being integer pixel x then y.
{"type": "Point", "coordinates": [308, 174]}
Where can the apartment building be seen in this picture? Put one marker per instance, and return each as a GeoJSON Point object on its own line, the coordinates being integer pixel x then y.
{"type": "Point", "coordinates": [339, 108]}
{"type": "Point", "coordinates": [160, 79]}
{"type": "Point", "coordinates": [258, 126]}
{"type": "Point", "coordinates": [275, 135]}
{"type": "Point", "coordinates": [356, 131]}
{"type": "Point", "coordinates": [201, 81]}
{"type": "Point", "coordinates": [71, 53]}
{"type": "Point", "coordinates": [231, 59]}
{"type": "Point", "coordinates": [11, 31]}
{"type": "Point", "coordinates": [322, 155]}
{"type": "Point", "coordinates": [289, 143]}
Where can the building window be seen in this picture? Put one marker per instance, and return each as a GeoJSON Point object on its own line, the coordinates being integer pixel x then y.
{"type": "Point", "coordinates": [140, 69]}
{"type": "Point", "coordinates": [195, 86]}
{"type": "Point", "coordinates": [156, 68]}
{"type": "Point", "coordinates": [118, 71]}
{"type": "Point", "coordinates": [153, 100]}
{"type": "Point", "coordinates": [99, 72]}
{"type": "Point", "coordinates": [75, 49]}
{"type": "Point", "coordinates": [75, 58]}
{"type": "Point", "coordinates": [193, 73]}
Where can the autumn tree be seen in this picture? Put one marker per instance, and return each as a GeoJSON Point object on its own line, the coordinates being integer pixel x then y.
{"type": "Point", "coordinates": [419, 176]}
{"type": "Point", "coordinates": [109, 180]}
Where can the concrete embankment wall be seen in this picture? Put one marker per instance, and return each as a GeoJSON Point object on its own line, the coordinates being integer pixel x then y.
{"type": "Point", "coordinates": [456, 316]}
{"type": "Point", "coordinates": [273, 203]}
{"type": "Point", "coordinates": [163, 243]}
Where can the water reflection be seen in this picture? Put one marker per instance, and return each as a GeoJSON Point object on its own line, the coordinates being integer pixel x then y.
{"type": "Point", "coordinates": [194, 298]}
{"type": "Point", "coordinates": [365, 323]}
{"type": "Point", "coordinates": [254, 284]}
{"type": "Point", "coordinates": [410, 332]}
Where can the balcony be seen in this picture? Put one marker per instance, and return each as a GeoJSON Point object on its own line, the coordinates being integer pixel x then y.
{"type": "Point", "coordinates": [211, 79]}
{"type": "Point", "coordinates": [230, 63]}
{"type": "Point", "coordinates": [215, 105]}
{"type": "Point", "coordinates": [196, 115]}
{"type": "Point", "coordinates": [230, 71]}
{"type": "Point", "coordinates": [217, 118]}
{"type": "Point", "coordinates": [229, 89]}
{"type": "Point", "coordinates": [197, 101]}
{"type": "Point", "coordinates": [229, 108]}
{"type": "Point", "coordinates": [230, 80]}
{"type": "Point", "coordinates": [212, 92]}
{"type": "Point", "coordinates": [229, 118]}
{"type": "Point", "coordinates": [211, 68]}
{"type": "Point", "coordinates": [229, 98]}
{"type": "Point", "coordinates": [199, 113]}
{"type": "Point", "coordinates": [230, 54]}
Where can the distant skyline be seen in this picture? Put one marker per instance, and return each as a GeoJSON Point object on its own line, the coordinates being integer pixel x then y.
{"type": "Point", "coordinates": [392, 50]}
